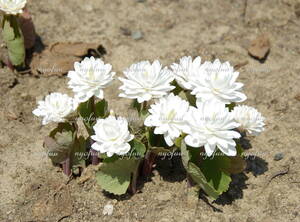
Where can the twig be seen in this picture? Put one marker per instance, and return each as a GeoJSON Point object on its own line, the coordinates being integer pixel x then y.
{"type": "Point", "coordinates": [279, 173]}
{"type": "Point", "coordinates": [245, 10]}
{"type": "Point", "coordinates": [63, 217]}
{"type": "Point", "coordinates": [215, 209]}
{"type": "Point", "coordinates": [239, 65]}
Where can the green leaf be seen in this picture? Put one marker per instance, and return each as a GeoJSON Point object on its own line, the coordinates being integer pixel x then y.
{"type": "Point", "coordinates": [155, 140]}
{"type": "Point", "coordinates": [192, 99]}
{"type": "Point", "coordinates": [237, 165]}
{"type": "Point", "coordinates": [189, 154]}
{"type": "Point", "coordinates": [61, 127]}
{"type": "Point", "coordinates": [59, 147]}
{"type": "Point", "coordinates": [210, 173]}
{"type": "Point", "coordinates": [198, 177]}
{"type": "Point", "coordinates": [60, 142]}
{"type": "Point", "coordinates": [107, 159]}
{"type": "Point", "coordinates": [78, 155]}
{"type": "Point", "coordinates": [230, 106]}
{"type": "Point", "coordinates": [185, 155]}
{"type": "Point", "coordinates": [85, 111]}
{"type": "Point", "coordinates": [239, 149]}
{"type": "Point", "coordinates": [101, 109]}
{"type": "Point", "coordinates": [215, 172]}
{"type": "Point", "coordinates": [144, 114]}
{"type": "Point", "coordinates": [186, 95]}
{"type": "Point", "coordinates": [115, 177]}
{"type": "Point", "coordinates": [177, 89]}
{"type": "Point", "coordinates": [178, 141]}
{"type": "Point", "coordinates": [137, 105]}
{"type": "Point", "coordinates": [14, 40]}
{"type": "Point", "coordinates": [138, 148]}
{"type": "Point", "coordinates": [55, 152]}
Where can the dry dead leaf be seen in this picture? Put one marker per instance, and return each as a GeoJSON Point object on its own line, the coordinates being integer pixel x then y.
{"type": "Point", "coordinates": [260, 47]}
{"type": "Point", "coordinates": [297, 97]}
{"type": "Point", "coordinates": [47, 63]}
{"type": "Point", "coordinates": [78, 49]}
{"type": "Point", "coordinates": [59, 58]}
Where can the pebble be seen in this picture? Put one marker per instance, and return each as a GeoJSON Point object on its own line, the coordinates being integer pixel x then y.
{"type": "Point", "coordinates": [137, 35]}
{"type": "Point", "coordinates": [278, 156]}
{"type": "Point", "coordinates": [165, 196]}
{"type": "Point", "coordinates": [88, 8]}
{"type": "Point", "coordinates": [108, 209]}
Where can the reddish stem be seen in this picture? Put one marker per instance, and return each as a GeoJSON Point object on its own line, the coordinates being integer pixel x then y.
{"type": "Point", "coordinates": [148, 163]}
{"type": "Point", "coordinates": [67, 167]}
{"type": "Point", "coordinates": [190, 182]}
{"type": "Point", "coordinates": [94, 157]}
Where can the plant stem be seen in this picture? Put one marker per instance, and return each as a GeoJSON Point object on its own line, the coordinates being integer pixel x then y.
{"type": "Point", "coordinates": [67, 167]}
{"type": "Point", "coordinates": [190, 182]}
{"type": "Point", "coordinates": [133, 184]}
{"type": "Point", "coordinates": [95, 160]}
{"type": "Point", "coordinates": [148, 163]}
{"type": "Point", "coordinates": [144, 106]}
{"type": "Point", "coordinates": [92, 104]}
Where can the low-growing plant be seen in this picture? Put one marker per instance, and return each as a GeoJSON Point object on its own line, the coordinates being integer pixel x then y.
{"type": "Point", "coordinates": [12, 32]}
{"type": "Point", "coordinates": [189, 108]}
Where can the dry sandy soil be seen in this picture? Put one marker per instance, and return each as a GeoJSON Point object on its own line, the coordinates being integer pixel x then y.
{"type": "Point", "coordinates": [31, 189]}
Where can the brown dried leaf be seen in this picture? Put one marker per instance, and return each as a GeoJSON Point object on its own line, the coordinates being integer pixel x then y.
{"type": "Point", "coordinates": [59, 58]}
{"type": "Point", "coordinates": [297, 97]}
{"type": "Point", "coordinates": [47, 63]}
{"type": "Point", "coordinates": [260, 47]}
{"type": "Point", "coordinates": [78, 49]}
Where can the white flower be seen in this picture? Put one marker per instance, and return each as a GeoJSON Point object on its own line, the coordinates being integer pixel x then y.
{"type": "Point", "coordinates": [55, 108]}
{"type": "Point", "coordinates": [167, 115]}
{"type": "Point", "coordinates": [186, 70]}
{"type": "Point", "coordinates": [112, 136]}
{"type": "Point", "coordinates": [218, 83]}
{"type": "Point", "coordinates": [12, 6]}
{"type": "Point", "coordinates": [146, 81]}
{"type": "Point", "coordinates": [249, 118]}
{"type": "Point", "coordinates": [89, 78]}
{"type": "Point", "coordinates": [211, 126]}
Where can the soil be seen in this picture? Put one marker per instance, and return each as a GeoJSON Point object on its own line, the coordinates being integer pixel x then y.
{"type": "Point", "coordinates": [31, 189]}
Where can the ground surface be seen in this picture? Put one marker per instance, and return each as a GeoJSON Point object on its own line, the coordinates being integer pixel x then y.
{"type": "Point", "coordinates": [32, 190]}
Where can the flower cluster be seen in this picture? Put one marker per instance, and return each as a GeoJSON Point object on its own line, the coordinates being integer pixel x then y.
{"type": "Point", "coordinates": [192, 107]}
{"type": "Point", "coordinates": [210, 124]}
{"type": "Point", "coordinates": [88, 80]}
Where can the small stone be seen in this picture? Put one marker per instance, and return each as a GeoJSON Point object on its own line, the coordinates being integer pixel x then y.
{"type": "Point", "coordinates": [165, 196]}
{"type": "Point", "coordinates": [88, 8]}
{"type": "Point", "coordinates": [278, 156]}
{"type": "Point", "coordinates": [125, 31]}
{"type": "Point", "coordinates": [108, 209]}
{"type": "Point", "coordinates": [260, 47]}
{"type": "Point", "coordinates": [137, 35]}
